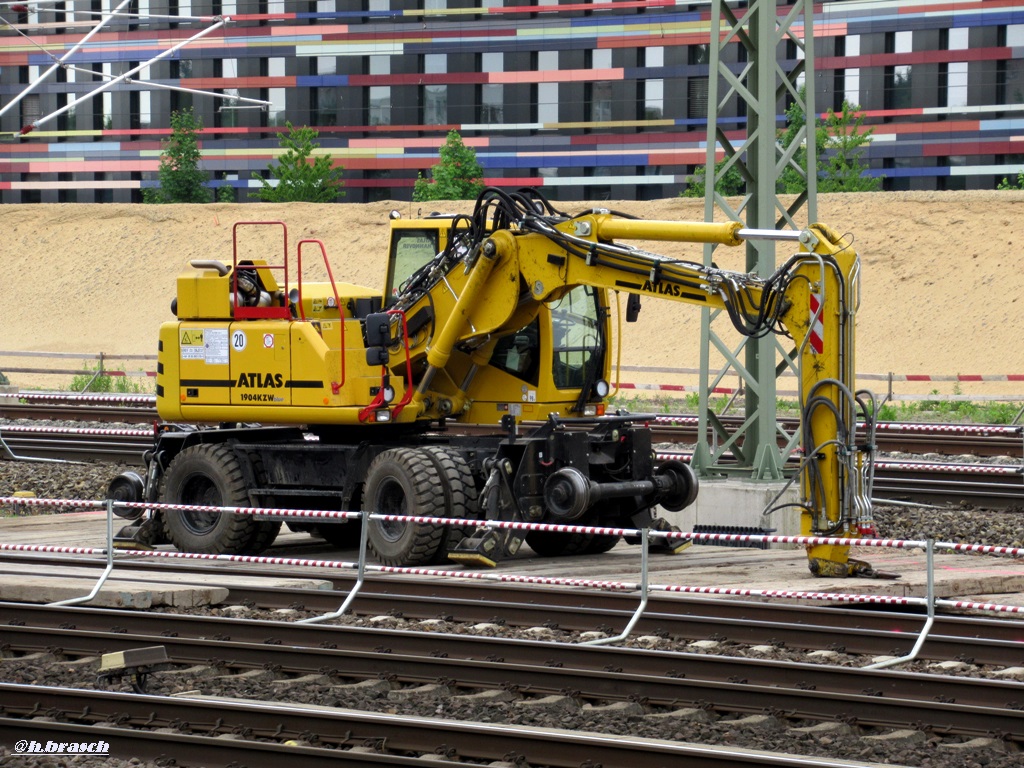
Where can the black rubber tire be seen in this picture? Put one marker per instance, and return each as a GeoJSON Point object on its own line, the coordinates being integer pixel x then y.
{"type": "Point", "coordinates": [605, 514]}
{"type": "Point", "coordinates": [556, 544]}
{"type": "Point", "coordinates": [207, 475]}
{"type": "Point", "coordinates": [404, 481]}
{"type": "Point", "coordinates": [550, 544]}
{"type": "Point", "coordinates": [461, 496]}
{"type": "Point", "coordinates": [600, 544]}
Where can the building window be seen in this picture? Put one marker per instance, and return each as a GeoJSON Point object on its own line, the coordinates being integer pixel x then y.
{"type": "Point", "coordinates": [651, 92]}
{"type": "Point", "coordinates": [897, 83]}
{"type": "Point", "coordinates": [547, 103]}
{"type": "Point", "coordinates": [598, 94]}
{"type": "Point", "coordinates": [851, 78]}
{"type": "Point", "coordinates": [434, 97]}
{"type": "Point", "coordinates": [65, 195]}
{"type": "Point", "coordinates": [108, 110]}
{"type": "Point", "coordinates": [953, 76]}
{"type": "Point", "coordinates": [31, 109]}
{"type": "Point", "coordinates": [179, 70]}
{"type": "Point", "coordinates": [380, 105]}
{"type": "Point", "coordinates": [226, 115]}
{"type": "Point", "coordinates": [435, 105]}
{"type": "Point", "coordinates": [327, 101]}
{"type": "Point", "coordinates": [599, 101]}
{"type": "Point", "coordinates": [492, 104]}
{"type": "Point", "coordinates": [652, 98]}
{"type": "Point", "coordinates": [276, 97]}
{"type": "Point", "coordinates": [326, 65]}
{"type": "Point", "coordinates": [378, 185]}
{"type": "Point", "coordinates": [379, 96]}
{"type": "Point", "coordinates": [547, 93]}
{"type": "Point", "coordinates": [492, 95]}
{"type": "Point", "coordinates": [145, 109]}
{"type": "Point", "coordinates": [697, 98]}
{"type": "Point", "coordinates": [435, 6]}
{"type": "Point", "coordinates": [134, 111]}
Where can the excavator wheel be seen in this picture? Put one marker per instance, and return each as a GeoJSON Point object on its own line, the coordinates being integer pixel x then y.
{"type": "Point", "coordinates": [207, 475]}
{"type": "Point", "coordinates": [404, 481]}
{"type": "Point", "coordinates": [556, 544]}
{"type": "Point", "coordinates": [599, 516]}
{"type": "Point", "coordinates": [461, 498]}
{"type": "Point", "coordinates": [600, 544]}
{"type": "Point", "coordinates": [553, 544]}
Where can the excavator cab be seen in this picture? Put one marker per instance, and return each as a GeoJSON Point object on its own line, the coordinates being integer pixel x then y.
{"type": "Point", "coordinates": [555, 362]}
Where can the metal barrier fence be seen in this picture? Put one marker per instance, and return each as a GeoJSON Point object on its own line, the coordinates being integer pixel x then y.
{"type": "Point", "coordinates": [361, 566]}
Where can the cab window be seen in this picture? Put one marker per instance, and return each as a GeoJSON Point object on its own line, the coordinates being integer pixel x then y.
{"type": "Point", "coordinates": [519, 353]}
{"type": "Point", "coordinates": [577, 345]}
{"type": "Point", "coordinates": [410, 250]}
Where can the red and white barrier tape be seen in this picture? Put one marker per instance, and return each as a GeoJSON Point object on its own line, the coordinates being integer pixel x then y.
{"type": "Point", "coordinates": [521, 579]}
{"type": "Point", "coordinates": [972, 606]}
{"type": "Point", "coordinates": [462, 522]}
{"type": "Point", "coordinates": [834, 597]}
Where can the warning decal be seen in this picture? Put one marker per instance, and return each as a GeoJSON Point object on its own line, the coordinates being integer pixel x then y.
{"type": "Point", "coordinates": [192, 337]}
{"type": "Point", "coordinates": [817, 330]}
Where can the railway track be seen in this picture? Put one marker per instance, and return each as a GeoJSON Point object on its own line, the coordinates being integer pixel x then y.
{"type": "Point", "coordinates": [981, 484]}
{"type": "Point", "coordinates": [191, 732]}
{"type": "Point", "coordinates": [478, 673]}
{"type": "Point", "coordinates": [915, 438]}
{"type": "Point", "coordinates": [727, 692]}
{"type": "Point", "coordinates": [988, 641]}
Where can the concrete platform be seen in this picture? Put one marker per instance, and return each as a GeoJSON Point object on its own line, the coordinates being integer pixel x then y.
{"type": "Point", "coordinates": [979, 578]}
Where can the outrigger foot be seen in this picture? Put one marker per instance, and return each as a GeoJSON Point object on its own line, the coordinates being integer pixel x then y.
{"type": "Point", "coordinates": [144, 535]}
{"type": "Point", "coordinates": [668, 546]}
{"type": "Point", "coordinates": [486, 547]}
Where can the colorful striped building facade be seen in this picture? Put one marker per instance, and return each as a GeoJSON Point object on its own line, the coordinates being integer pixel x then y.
{"type": "Point", "coordinates": [588, 100]}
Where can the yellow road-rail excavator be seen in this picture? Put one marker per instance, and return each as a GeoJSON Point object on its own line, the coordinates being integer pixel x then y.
{"type": "Point", "coordinates": [283, 392]}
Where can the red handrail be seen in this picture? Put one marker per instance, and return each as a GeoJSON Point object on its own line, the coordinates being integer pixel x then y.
{"type": "Point", "coordinates": [335, 385]}
{"type": "Point", "coordinates": [242, 313]}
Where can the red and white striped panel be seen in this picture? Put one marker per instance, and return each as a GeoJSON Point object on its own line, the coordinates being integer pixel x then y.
{"type": "Point", "coordinates": [817, 331]}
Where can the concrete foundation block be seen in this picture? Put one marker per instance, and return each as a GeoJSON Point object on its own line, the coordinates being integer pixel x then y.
{"type": "Point", "coordinates": [739, 504]}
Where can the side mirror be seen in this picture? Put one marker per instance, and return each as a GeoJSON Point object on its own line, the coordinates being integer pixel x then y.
{"type": "Point", "coordinates": [632, 307]}
{"type": "Point", "coordinates": [378, 329]}
{"type": "Point", "coordinates": [377, 356]}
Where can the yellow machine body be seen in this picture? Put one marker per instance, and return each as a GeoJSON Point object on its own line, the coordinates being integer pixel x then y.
{"type": "Point", "coordinates": [516, 324]}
